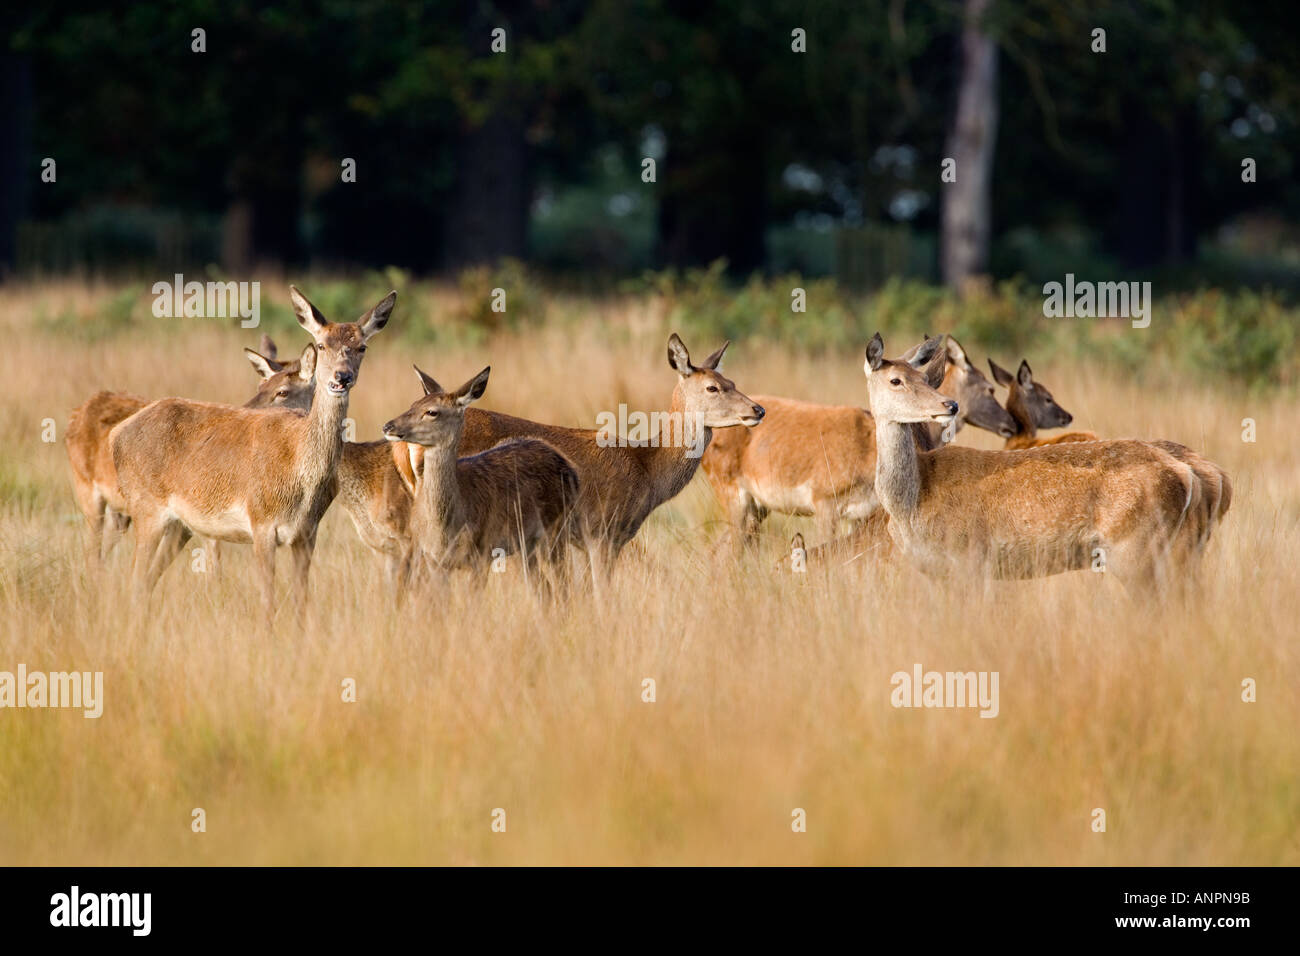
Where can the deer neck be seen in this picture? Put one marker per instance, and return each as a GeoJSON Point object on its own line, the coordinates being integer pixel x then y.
{"type": "Point", "coordinates": [1024, 421]}
{"type": "Point", "coordinates": [676, 449]}
{"type": "Point", "coordinates": [322, 446]}
{"type": "Point", "coordinates": [439, 512]}
{"type": "Point", "coordinates": [898, 472]}
{"type": "Point", "coordinates": [928, 436]}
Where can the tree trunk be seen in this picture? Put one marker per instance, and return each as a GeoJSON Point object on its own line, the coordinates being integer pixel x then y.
{"type": "Point", "coordinates": [487, 217]}
{"type": "Point", "coordinates": [966, 202]}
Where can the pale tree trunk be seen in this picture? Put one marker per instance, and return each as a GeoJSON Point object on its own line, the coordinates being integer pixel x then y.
{"type": "Point", "coordinates": [966, 202]}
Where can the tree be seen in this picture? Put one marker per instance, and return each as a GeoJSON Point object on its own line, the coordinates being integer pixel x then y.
{"type": "Point", "coordinates": [967, 203]}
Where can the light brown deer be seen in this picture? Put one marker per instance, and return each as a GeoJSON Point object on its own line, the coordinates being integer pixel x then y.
{"type": "Point", "coordinates": [871, 540]}
{"type": "Point", "coordinates": [517, 497]}
{"type": "Point", "coordinates": [94, 480]}
{"type": "Point", "coordinates": [621, 485]}
{"type": "Point", "coordinates": [237, 474]}
{"type": "Point", "coordinates": [1214, 499]}
{"type": "Point", "coordinates": [820, 460]}
{"type": "Point", "coordinates": [1015, 514]}
{"type": "Point", "coordinates": [623, 482]}
{"type": "Point", "coordinates": [377, 481]}
{"type": "Point", "coordinates": [1033, 407]}
{"type": "Point", "coordinates": [376, 484]}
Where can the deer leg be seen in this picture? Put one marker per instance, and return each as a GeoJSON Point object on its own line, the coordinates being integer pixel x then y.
{"type": "Point", "coordinates": [560, 572]}
{"type": "Point", "coordinates": [535, 571]}
{"type": "Point", "coordinates": [95, 514]}
{"type": "Point", "coordinates": [264, 556]}
{"type": "Point", "coordinates": [115, 525]}
{"type": "Point", "coordinates": [173, 540]}
{"type": "Point", "coordinates": [302, 551]}
{"type": "Point", "coordinates": [157, 543]}
{"type": "Point", "coordinates": [600, 558]}
{"type": "Point", "coordinates": [1134, 564]}
{"type": "Point", "coordinates": [393, 572]}
{"type": "Point", "coordinates": [746, 518]}
{"type": "Point", "coordinates": [827, 520]}
{"type": "Point", "coordinates": [148, 536]}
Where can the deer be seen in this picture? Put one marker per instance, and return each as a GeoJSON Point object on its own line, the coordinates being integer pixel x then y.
{"type": "Point", "coordinates": [376, 482]}
{"type": "Point", "coordinates": [623, 481]}
{"type": "Point", "coordinates": [94, 480]}
{"type": "Point", "coordinates": [517, 497]}
{"type": "Point", "coordinates": [812, 459]}
{"type": "Point", "coordinates": [1033, 406]}
{"type": "Point", "coordinates": [237, 474]}
{"type": "Point", "coordinates": [1025, 513]}
{"type": "Point", "coordinates": [376, 488]}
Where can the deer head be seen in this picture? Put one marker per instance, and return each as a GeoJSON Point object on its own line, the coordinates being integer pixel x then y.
{"type": "Point", "coordinates": [284, 384]}
{"type": "Point", "coordinates": [707, 396]}
{"type": "Point", "coordinates": [899, 391]}
{"type": "Point", "coordinates": [437, 419]}
{"type": "Point", "coordinates": [340, 346]}
{"type": "Point", "coordinates": [1028, 400]}
{"type": "Point", "coordinates": [975, 394]}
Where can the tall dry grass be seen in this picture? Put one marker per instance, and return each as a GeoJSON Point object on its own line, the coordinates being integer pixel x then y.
{"type": "Point", "coordinates": [772, 690]}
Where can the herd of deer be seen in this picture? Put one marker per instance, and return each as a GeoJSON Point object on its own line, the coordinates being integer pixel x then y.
{"type": "Point", "coordinates": [451, 486]}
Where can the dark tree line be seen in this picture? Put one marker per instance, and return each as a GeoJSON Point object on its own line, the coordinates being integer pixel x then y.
{"type": "Point", "coordinates": [1140, 144]}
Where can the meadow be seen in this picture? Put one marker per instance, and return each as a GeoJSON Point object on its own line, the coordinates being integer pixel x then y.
{"type": "Point", "coordinates": [772, 689]}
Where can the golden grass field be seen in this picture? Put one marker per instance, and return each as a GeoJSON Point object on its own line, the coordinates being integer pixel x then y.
{"type": "Point", "coordinates": [772, 689]}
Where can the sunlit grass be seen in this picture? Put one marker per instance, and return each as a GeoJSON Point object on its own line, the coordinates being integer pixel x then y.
{"type": "Point", "coordinates": [772, 690]}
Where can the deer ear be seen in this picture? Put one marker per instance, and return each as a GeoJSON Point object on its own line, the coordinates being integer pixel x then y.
{"type": "Point", "coordinates": [936, 370]}
{"type": "Point", "coordinates": [1000, 375]}
{"type": "Point", "coordinates": [1025, 375]}
{"type": "Point", "coordinates": [377, 318]}
{"type": "Point", "coordinates": [926, 351]}
{"type": "Point", "coordinates": [678, 357]}
{"type": "Point", "coordinates": [875, 353]}
{"type": "Point", "coordinates": [473, 390]}
{"type": "Point", "coordinates": [426, 381]}
{"type": "Point", "coordinates": [309, 317]}
{"type": "Point", "coordinates": [268, 347]}
{"type": "Point", "coordinates": [957, 354]}
{"type": "Point", "coordinates": [307, 363]}
{"type": "Point", "coordinates": [713, 360]}
{"type": "Point", "coordinates": [264, 366]}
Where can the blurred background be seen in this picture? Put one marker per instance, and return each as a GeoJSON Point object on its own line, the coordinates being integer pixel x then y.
{"type": "Point", "coordinates": [706, 156]}
{"type": "Point", "coordinates": [825, 162]}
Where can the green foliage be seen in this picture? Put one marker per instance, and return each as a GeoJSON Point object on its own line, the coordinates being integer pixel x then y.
{"type": "Point", "coordinates": [1240, 337]}
{"type": "Point", "coordinates": [1237, 337]}
{"type": "Point", "coordinates": [509, 283]}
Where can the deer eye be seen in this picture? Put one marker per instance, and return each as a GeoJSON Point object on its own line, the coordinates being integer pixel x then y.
{"type": "Point", "coordinates": [361, 348]}
{"type": "Point", "coordinates": [282, 393]}
{"type": "Point", "coordinates": [431, 413]}
{"type": "Point", "coordinates": [712, 388]}
{"type": "Point", "coordinates": [895, 381]}
{"type": "Point", "coordinates": [319, 347]}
